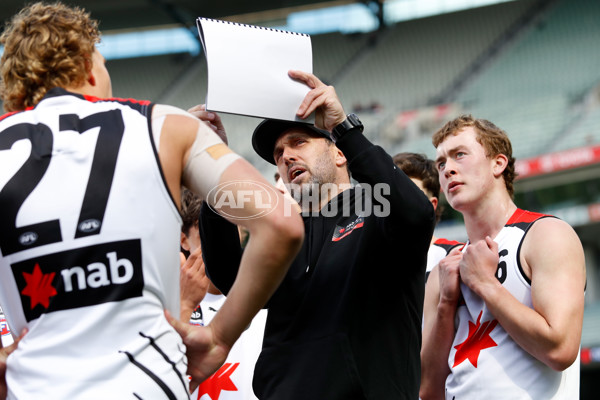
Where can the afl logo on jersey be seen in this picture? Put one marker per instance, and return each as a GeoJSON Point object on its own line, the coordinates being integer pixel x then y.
{"type": "Point", "coordinates": [28, 238]}
{"type": "Point", "coordinates": [3, 327]}
{"type": "Point", "coordinates": [89, 225]}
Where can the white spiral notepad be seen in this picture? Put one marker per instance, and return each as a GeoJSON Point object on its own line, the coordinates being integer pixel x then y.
{"type": "Point", "coordinates": [248, 69]}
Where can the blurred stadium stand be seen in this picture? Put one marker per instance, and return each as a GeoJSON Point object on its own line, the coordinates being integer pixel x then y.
{"type": "Point", "coordinates": [411, 62]}
{"type": "Point", "coordinates": [147, 77]}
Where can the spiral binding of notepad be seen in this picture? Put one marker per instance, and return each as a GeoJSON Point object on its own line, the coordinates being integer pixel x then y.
{"type": "Point", "coordinates": [252, 26]}
{"type": "Point", "coordinates": [248, 67]}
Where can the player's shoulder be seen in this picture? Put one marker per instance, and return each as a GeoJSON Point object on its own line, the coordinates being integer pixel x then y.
{"type": "Point", "coordinates": [551, 243]}
{"type": "Point", "coordinates": [178, 123]}
{"type": "Point", "coordinates": [532, 223]}
{"type": "Point", "coordinates": [550, 234]}
{"type": "Point", "coordinates": [549, 226]}
{"type": "Point", "coordinates": [163, 110]}
{"type": "Point", "coordinates": [535, 221]}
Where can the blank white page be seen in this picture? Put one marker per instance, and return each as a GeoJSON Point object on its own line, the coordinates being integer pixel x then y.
{"type": "Point", "coordinates": [248, 69]}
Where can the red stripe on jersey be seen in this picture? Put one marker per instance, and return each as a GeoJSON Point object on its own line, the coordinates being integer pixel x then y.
{"type": "Point", "coordinates": [524, 216]}
{"type": "Point", "coordinates": [441, 241]}
{"type": "Point", "coordinates": [14, 112]}
{"type": "Point", "coordinates": [8, 114]}
{"type": "Point", "coordinates": [94, 99]}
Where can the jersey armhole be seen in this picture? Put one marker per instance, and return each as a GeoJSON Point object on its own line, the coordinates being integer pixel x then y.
{"type": "Point", "coordinates": [156, 118]}
{"type": "Point", "coordinates": [521, 271]}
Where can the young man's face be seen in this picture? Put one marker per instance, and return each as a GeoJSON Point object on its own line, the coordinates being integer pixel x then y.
{"type": "Point", "coordinates": [466, 173]}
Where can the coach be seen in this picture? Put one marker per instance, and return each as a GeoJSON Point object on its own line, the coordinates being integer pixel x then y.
{"type": "Point", "coordinates": [346, 321]}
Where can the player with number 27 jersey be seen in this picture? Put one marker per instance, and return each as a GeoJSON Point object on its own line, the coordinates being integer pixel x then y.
{"type": "Point", "coordinates": [82, 199]}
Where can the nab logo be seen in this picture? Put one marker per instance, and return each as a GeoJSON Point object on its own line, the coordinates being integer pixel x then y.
{"type": "Point", "coordinates": [81, 277]}
{"type": "Point", "coordinates": [197, 318]}
{"type": "Point", "coordinates": [89, 225]}
{"type": "Point", "coordinates": [28, 238]}
{"type": "Point", "coordinates": [118, 272]}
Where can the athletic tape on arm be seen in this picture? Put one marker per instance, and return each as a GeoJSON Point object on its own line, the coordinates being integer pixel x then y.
{"type": "Point", "coordinates": [209, 158]}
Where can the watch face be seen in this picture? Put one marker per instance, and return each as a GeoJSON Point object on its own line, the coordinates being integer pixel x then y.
{"type": "Point", "coordinates": [354, 120]}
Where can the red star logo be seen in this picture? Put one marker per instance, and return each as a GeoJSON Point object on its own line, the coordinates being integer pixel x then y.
{"type": "Point", "coordinates": [39, 287]}
{"type": "Point", "coordinates": [220, 380]}
{"type": "Point", "coordinates": [478, 339]}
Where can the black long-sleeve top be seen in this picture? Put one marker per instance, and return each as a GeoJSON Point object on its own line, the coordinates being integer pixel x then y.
{"type": "Point", "coordinates": [346, 321]}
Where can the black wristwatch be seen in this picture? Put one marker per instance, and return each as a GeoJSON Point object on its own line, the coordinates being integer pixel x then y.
{"type": "Point", "coordinates": [350, 122]}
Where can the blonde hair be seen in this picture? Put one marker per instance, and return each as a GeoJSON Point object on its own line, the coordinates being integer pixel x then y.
{"type": "Point", "coordinates": [45, 46]}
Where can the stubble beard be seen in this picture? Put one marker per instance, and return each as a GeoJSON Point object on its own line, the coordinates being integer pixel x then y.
{"type": "Point", "coordinates": [306, 193]}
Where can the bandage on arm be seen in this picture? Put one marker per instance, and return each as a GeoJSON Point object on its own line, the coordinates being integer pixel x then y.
{"type": "Point", "coordinates": [208, 158]}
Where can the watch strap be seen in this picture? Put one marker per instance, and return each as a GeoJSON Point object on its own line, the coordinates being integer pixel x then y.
{"type": "Point", "coordinates": [352, 121]}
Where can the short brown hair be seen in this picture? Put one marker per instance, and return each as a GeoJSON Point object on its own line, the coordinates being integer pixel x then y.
{"type": "Point", "coordinates": [493, 139]}
{"type": "Point", "coordinates": [190, 210]}
{"type": "Point", "coordinates": [418, 166]}
{"type": "Point", "coordinates": [45, 46]}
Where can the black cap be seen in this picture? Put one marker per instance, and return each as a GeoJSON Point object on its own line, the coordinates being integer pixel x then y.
{"type": "Point", "coordinates": [267, 132]}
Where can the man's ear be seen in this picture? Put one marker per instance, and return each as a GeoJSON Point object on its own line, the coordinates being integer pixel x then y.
{"type": "Point", "coordinates": [184, 242]}
{"type": "Point", "coordinates": [434, 202]}
{"type": "Point", "coordinates": [340, 158]}
{"type": "Point", "coordinates": [500, 164]}
{"type": "Point", "coordinates": [91, 79]}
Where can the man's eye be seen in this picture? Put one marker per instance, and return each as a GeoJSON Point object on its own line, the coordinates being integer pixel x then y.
{"type": "Point", "coordinates": [441, 165]}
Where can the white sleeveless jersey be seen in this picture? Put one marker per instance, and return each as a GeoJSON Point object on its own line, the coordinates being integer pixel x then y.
{"type": "Point", "coordinates": [437, 251]}
{"type": "Point", "coordinates": [485, 362]}
{"type": "Point", "coordinates": [89, 244]}
{"type": "Point", "coordinates": [233, 381]}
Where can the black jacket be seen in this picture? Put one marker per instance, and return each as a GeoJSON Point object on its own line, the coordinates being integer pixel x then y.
{"type": "Point", "coordinates": [346, 321]}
